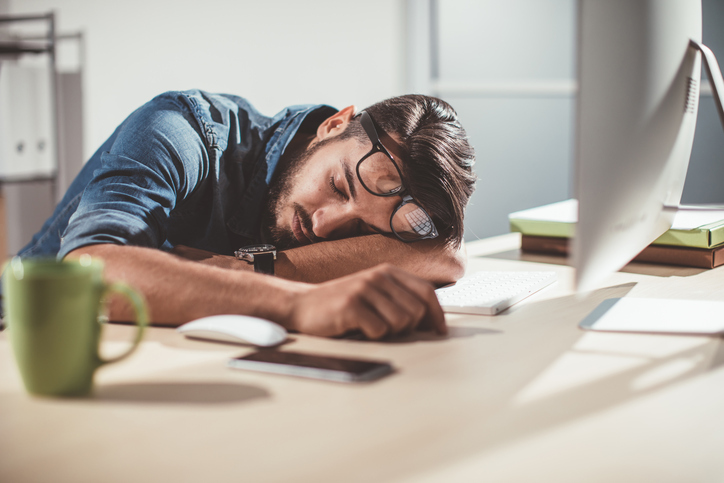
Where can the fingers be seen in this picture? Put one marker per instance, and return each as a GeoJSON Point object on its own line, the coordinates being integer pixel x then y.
{"type": "Point", "coordinates": [402, 301]}
{"type": "Point", "coordinates": [380, 301]}
{"type": "Point", "coordinates": [368, 320]}
{"type": "Point", "coordinates": [399, 308]}
{"type": "Point", "coordinates": [434, 315]}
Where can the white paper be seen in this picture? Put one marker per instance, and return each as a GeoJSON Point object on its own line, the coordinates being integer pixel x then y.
{"type": "Point", "coordinates": [690, 219]}
{"type": "Point", "coordinates": [671, 316]}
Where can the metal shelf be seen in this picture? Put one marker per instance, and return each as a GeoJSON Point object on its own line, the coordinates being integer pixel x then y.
{"type": "Point", "coordinates": [17, 46]}
{"type": "Point", "coordinates": [22, 48]}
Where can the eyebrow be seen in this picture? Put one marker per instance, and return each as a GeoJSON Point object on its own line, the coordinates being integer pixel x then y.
{"type": "Point", "coordinates": [350, 178]}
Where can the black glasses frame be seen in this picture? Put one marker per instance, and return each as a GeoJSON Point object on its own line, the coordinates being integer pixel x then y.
{"type": "Point", "coordinates": [377, 147]}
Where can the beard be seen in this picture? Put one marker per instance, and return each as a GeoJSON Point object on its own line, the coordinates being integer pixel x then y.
{"type": "Point", "coordinates": [280, 196]}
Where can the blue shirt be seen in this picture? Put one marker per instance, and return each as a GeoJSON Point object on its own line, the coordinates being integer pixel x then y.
{"type": "Point", "coordinates": [187, 168]}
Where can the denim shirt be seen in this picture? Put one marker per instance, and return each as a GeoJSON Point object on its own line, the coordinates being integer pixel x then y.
{"type": "Point", "coordinates": [187, 168]}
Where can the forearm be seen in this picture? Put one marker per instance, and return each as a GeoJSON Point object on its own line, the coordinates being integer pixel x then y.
{"type": "Point", "coordinates": [323, 261]}
{"type": "Point", "coordinates": [179, 290]}
{"type": "Point", "coordinates": [381, 301]}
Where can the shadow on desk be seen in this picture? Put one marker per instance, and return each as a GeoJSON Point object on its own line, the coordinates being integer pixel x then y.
{"type": "Point", "coordinates": [454, 332]}
{"type": "Point", "coordinates": [651, 269]}
{"type": "Point", "coordinates": [544, 354]}
{"type": "Point", "coordinates": [203, 393]}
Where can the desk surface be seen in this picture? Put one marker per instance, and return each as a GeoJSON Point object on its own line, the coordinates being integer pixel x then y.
{"type": "Point", "coordinates": [522, 396]}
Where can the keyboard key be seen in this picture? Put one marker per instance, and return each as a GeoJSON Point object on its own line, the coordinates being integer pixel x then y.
{"type": "Point", "coordinates": [489, 293]}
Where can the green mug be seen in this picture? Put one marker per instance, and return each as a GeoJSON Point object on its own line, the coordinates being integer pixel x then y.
{"type": "Point", "coordinates": [53, 314]}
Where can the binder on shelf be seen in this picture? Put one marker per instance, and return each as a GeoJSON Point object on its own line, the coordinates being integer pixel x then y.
{"type": "Point", "coordinates": [692, 228]}
{"type": "Point", "coordinates": [27, 144]}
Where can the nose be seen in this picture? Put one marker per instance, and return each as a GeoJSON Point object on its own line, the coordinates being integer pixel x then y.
{"type": "Point", "coordinates": [333, 222]}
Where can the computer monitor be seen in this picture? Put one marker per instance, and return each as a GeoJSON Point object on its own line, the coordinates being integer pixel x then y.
{"type": "Point", "coordinates": [639, 70]}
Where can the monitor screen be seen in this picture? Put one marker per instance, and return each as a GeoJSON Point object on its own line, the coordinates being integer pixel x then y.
{"type": "Point", "coordinates": [638, 79]}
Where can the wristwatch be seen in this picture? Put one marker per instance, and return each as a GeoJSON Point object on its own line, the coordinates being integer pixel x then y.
{"type": "Point", "coordinates": [262, 256]}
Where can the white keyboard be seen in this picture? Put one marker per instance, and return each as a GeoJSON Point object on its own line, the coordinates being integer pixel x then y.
{"type": "Point", "coordinates": [488, 293]}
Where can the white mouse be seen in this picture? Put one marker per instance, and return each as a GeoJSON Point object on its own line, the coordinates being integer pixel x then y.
{"type": "Point", "coordinates": [242, 329]}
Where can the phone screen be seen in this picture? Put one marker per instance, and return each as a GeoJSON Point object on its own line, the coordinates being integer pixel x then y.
{"type": "Point", "coordinates": [312, 366]}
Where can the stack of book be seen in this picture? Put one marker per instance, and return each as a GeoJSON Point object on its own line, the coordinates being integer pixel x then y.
{"type": "Point", "coordinates": [696, 239]}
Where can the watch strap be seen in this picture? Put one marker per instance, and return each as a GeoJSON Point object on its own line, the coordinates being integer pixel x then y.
{"type": "Point", "coordinates": [261, 256]}
{"type": "Point", "coordinates": [264, 263]}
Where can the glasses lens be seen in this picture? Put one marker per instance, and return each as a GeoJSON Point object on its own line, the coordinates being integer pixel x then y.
{"type": "Point", "coordinates": [411, 222]}
{"type": "Point", "coordinates": [379, 175]}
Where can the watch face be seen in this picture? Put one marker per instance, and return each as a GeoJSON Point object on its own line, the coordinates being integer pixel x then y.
{"type": "Point", "coordinates": [262, 256]}
{"type": "Point", "coordinates": [247, 253]}
{"type": "Point", "coordinates": [258, 249]}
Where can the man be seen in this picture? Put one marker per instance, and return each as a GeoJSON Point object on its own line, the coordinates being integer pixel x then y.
{"type": "Point", "coordinates": [193, 177]}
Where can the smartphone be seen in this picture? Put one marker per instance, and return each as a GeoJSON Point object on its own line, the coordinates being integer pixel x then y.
{"type": "Point", "coordinates": [312, 366]}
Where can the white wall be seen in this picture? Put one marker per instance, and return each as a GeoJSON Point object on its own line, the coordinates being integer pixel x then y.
{"type": "Point", "coordinates": [706, 168]}
{"type": "Point", "coordinates": [274, 52]}
{"type": "Point", "coordinates": [508, 69]}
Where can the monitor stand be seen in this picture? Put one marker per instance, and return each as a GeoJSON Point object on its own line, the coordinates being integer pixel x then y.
{"type": "Point", "coordinates": [717, 87]}
{"type": "Point", "coordinates": [672, 316]}
{"type": "Point", "coordinates": [715, 77]}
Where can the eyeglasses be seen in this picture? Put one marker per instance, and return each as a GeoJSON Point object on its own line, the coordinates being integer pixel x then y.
{"type": "Point", "coordinates": [379, 175]}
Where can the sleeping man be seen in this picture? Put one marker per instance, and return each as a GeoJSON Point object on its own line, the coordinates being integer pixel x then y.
{"type": "Point", "coordinates": [324, 221]}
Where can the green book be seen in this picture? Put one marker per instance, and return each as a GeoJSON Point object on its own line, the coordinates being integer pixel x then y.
{"type": "Point", "coordinates": [691, 228]}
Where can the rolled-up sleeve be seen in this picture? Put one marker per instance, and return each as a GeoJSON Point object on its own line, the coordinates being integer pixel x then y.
{"type": "Point", "coordinates": [157, 160]}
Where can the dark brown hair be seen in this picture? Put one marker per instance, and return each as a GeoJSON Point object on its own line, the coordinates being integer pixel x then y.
{"type": "Point", "coordinates": [438, 160]}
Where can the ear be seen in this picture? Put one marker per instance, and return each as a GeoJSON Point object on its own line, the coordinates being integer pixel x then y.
{"type": "Point", "coordinates": [335, 124]}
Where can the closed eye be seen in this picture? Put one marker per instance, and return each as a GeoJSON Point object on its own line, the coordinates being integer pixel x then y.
{"type": "Point", "coordinates": [336, 190]}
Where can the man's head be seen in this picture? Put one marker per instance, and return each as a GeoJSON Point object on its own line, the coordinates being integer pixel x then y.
{"type": "Point", "coordinates": [319, 196]}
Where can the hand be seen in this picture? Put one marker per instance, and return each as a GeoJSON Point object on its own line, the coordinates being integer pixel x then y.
{"type": "Point", "coordinates": [380, 301]}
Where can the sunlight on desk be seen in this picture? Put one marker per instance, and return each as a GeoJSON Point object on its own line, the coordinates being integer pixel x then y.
{"type": "Point", "coordinates": [598, 356]}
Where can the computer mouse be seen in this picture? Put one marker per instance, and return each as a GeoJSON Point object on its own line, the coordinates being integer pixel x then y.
{"type": "Point", "coordinates": [241, 329]}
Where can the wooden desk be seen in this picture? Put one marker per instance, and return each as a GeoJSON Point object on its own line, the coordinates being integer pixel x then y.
{"type": "Point", "coordinates": [523, 396]}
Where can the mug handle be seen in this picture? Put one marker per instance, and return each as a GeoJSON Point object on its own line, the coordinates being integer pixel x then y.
{"type": "Point", "coordinates": [139, 306]}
